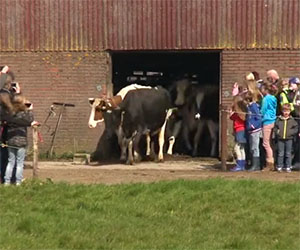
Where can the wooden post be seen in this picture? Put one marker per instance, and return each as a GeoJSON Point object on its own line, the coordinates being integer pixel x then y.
{"type": "Point", "coordinates": [224, 149]}
{"type": "Point", "coordinates": [35, 151]}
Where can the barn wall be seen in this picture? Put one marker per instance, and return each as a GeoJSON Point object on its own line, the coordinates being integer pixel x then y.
{"type": "Point", "coordinates": [235, 64]}
{"type": "Point", "coordinates": [95, 25]}
{"type": "Point", "coordinates": [62, 77]}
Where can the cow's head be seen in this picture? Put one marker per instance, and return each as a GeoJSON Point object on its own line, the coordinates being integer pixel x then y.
{"type": "Point", "coordinates": [98, 105]}
{"type": "Point", "coordinates": [181, 88]}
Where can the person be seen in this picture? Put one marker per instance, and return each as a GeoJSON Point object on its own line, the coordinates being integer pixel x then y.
{"type": "Point", "coordinates": [6, 111]}
{"type": "Point", "coordinates": [293, 88]}
{"type": "Point", "coordinates": [268, 111]}
{"type": "Point", "coordinates": [3, 99]}
{"type": "Point", "coordinates": [296, 103]}
{"type": "Point", "coordinates": [237, 115]}
{"type": "Point", "coordinates": [252, 87]}
{"type": "Point", "coordinates": [283, 95]}
{"type": "Point", "coordinates": [17, 139]}
{"type": "Point", "coordinates": [285, 129]}
{"type": "Point", "coordinates": [273, 77]}
{"type": "Point", "coordinates": [253, 128]}
{"type": "Point", "coordinates": [3, 75]}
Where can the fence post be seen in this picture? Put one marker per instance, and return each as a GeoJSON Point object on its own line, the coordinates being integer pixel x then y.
{"type": "Point", "coordinates": [35, 151]}
{"type": "Point", "coordinates": [224, 149]}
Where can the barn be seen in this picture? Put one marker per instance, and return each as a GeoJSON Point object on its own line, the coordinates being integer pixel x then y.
{"type": "Point", "coordinates": [66, 51]}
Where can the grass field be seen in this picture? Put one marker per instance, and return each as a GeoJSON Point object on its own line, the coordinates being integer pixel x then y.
{"type": "Point", "coordinates": [208, 214]}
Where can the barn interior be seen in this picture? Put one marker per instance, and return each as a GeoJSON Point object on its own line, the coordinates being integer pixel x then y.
{"type": "Point", "coordinates": [162, 68]}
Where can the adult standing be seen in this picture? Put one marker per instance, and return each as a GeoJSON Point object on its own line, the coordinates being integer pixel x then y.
{"type": "Point", "coordinates": [17, 139]}
{"type": "Point", "coordinates": [273, 77]}
{"type": "Point", "coordinates": [3, 152]}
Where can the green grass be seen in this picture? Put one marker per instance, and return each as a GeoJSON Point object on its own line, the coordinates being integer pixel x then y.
{"type": "Point", "coordinates": [208, 214]}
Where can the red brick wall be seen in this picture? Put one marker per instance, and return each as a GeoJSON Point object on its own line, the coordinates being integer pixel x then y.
{"type": "Point", "coordinates": [74, 77]}
{"type": "Point", "coordinates": [235, 64]}
{"type": "Point", "coordinates": [62, 77]}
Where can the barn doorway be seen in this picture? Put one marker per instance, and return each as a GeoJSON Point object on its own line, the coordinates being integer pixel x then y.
{"type": "Point", "coordinates": [155, 68]}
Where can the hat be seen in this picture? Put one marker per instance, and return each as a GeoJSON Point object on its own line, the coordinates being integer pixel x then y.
{"type": "Point", "coordinates": [294, 80]}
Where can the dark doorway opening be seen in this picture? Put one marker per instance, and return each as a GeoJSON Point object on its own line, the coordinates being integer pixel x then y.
{"type": "Point", "coordinates": [155, 68]}
{"type": "Point", "coordinates": [161, 68]}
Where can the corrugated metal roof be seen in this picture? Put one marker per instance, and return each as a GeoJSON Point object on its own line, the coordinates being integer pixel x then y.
{"type": "Point", "coordinates": [94, 25]}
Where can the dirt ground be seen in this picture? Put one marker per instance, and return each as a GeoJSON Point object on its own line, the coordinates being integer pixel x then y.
{"type": "Point", "coordinates": [172, 169]}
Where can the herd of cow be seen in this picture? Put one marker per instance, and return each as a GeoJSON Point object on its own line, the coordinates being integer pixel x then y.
{"type": "Point", "coordinates": [142, 114]}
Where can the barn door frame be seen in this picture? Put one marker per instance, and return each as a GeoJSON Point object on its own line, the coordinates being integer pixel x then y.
{"type": "Point", "coordinates": [109, 71]}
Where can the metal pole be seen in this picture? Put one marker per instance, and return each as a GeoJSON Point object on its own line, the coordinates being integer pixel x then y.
{"type": "Point", "coordinates": [224, 150]}
{"type": "Point", "coordinates": [55, 131]}
{"type": "Point", "coordinates": [35, 151]}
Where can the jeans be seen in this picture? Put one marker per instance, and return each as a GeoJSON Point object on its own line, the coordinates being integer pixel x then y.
{"type": "Point", "coordinates": [15, 156]}
{"type": "Point", "coordinates": [284, 151]}
{"type": "Point", "coordinates": [267, 135]}
{"type": "Point", "coordinates": [254, 139]}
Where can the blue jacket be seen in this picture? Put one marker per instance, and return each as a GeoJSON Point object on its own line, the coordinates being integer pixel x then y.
{"type": "Point", "coordinates": [253, 118]}
{"type": "Point", "coordinates": [268, 109]}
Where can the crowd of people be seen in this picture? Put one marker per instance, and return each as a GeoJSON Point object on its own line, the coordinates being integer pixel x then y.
{"type": "Point", "coordinates": [266, 123]}
{"type": "Point", "coordinates": [16, 115]}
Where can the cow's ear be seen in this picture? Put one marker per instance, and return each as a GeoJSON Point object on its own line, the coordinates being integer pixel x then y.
{"type": "Point", "coordinates": [91, 101]}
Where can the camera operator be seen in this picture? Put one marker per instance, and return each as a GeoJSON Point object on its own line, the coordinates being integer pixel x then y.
{"type": "Point", "coordinates": [17, 137]}
{"type": "Point", "coordinates": [7, 91]}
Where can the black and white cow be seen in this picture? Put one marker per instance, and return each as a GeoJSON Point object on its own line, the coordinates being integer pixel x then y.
{"type": "Point", "coordinates": [197, 109]}
{"type": "Point", "coordinates": [141, 112]}
{"type": "Point", "coordinates": [107, 149]}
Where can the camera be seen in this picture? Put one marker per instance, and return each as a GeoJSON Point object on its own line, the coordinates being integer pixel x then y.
{"type": "Point", "coordinates": [13, 86]}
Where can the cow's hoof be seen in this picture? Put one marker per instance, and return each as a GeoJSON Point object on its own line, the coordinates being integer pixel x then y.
{"type": "Point", "coordinates": [129, 163]}
{"type": "Point", "coordinates": [137, 158]}
{"type": "Point", "coordinates": [160, 160]}
{"type": "Point", "coordinates": [194, 154]}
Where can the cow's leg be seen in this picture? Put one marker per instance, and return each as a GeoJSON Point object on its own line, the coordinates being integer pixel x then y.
{"type": "Point", "coordinates": [120, 136]}
{"type": "Point", "coordinates": [130, 152]}
{"type": "Point", "coordinates": [136, 151]}
{"type": "Point", "coordinates": [172, 138]}
{"type": "Point", "coordinates": [186, 137]}
{"type": "Point", "coordinates": [213, 131]}
{"type": "Point", "coordinates": [148, 140]}
{"type": "Point", "coordinates": [161, 137]}
{"type": "Point", "coordinates": [197, 137]}
{"type": "Point", "coordinates": [124, 146]}
{"type": "Point", "coordinates": [161, 141]}
{"type": "Point", "coordinates": [152, 151]}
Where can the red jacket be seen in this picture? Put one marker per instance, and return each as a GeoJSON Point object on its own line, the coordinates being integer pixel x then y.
{"type": "Point", "coordinates": [238, 123]}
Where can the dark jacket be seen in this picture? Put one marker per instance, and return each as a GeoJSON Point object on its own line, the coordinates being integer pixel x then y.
{"type": "Point", "coordinates": [17, 134]}
{"type": "Point", "coordinates": [285, 129]}
{"type": "Point", "coordinates": [253, 118]}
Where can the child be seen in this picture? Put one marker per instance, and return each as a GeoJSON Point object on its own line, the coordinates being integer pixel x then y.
{"type": "Point", "coordinates": [293, 88]}
{"type": "Point", "coordinates": [285, 129]}
{"type": "Point", "coordinates": [253, 127]}
{"type": "Point", "coordinates": [284, 94]}
{"type": "Point", "coordinates": [268, 111]}
{"type": "Point", "coordinates": [17, 139]}
{"type": "Point", "coordinates": [238, 117]}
